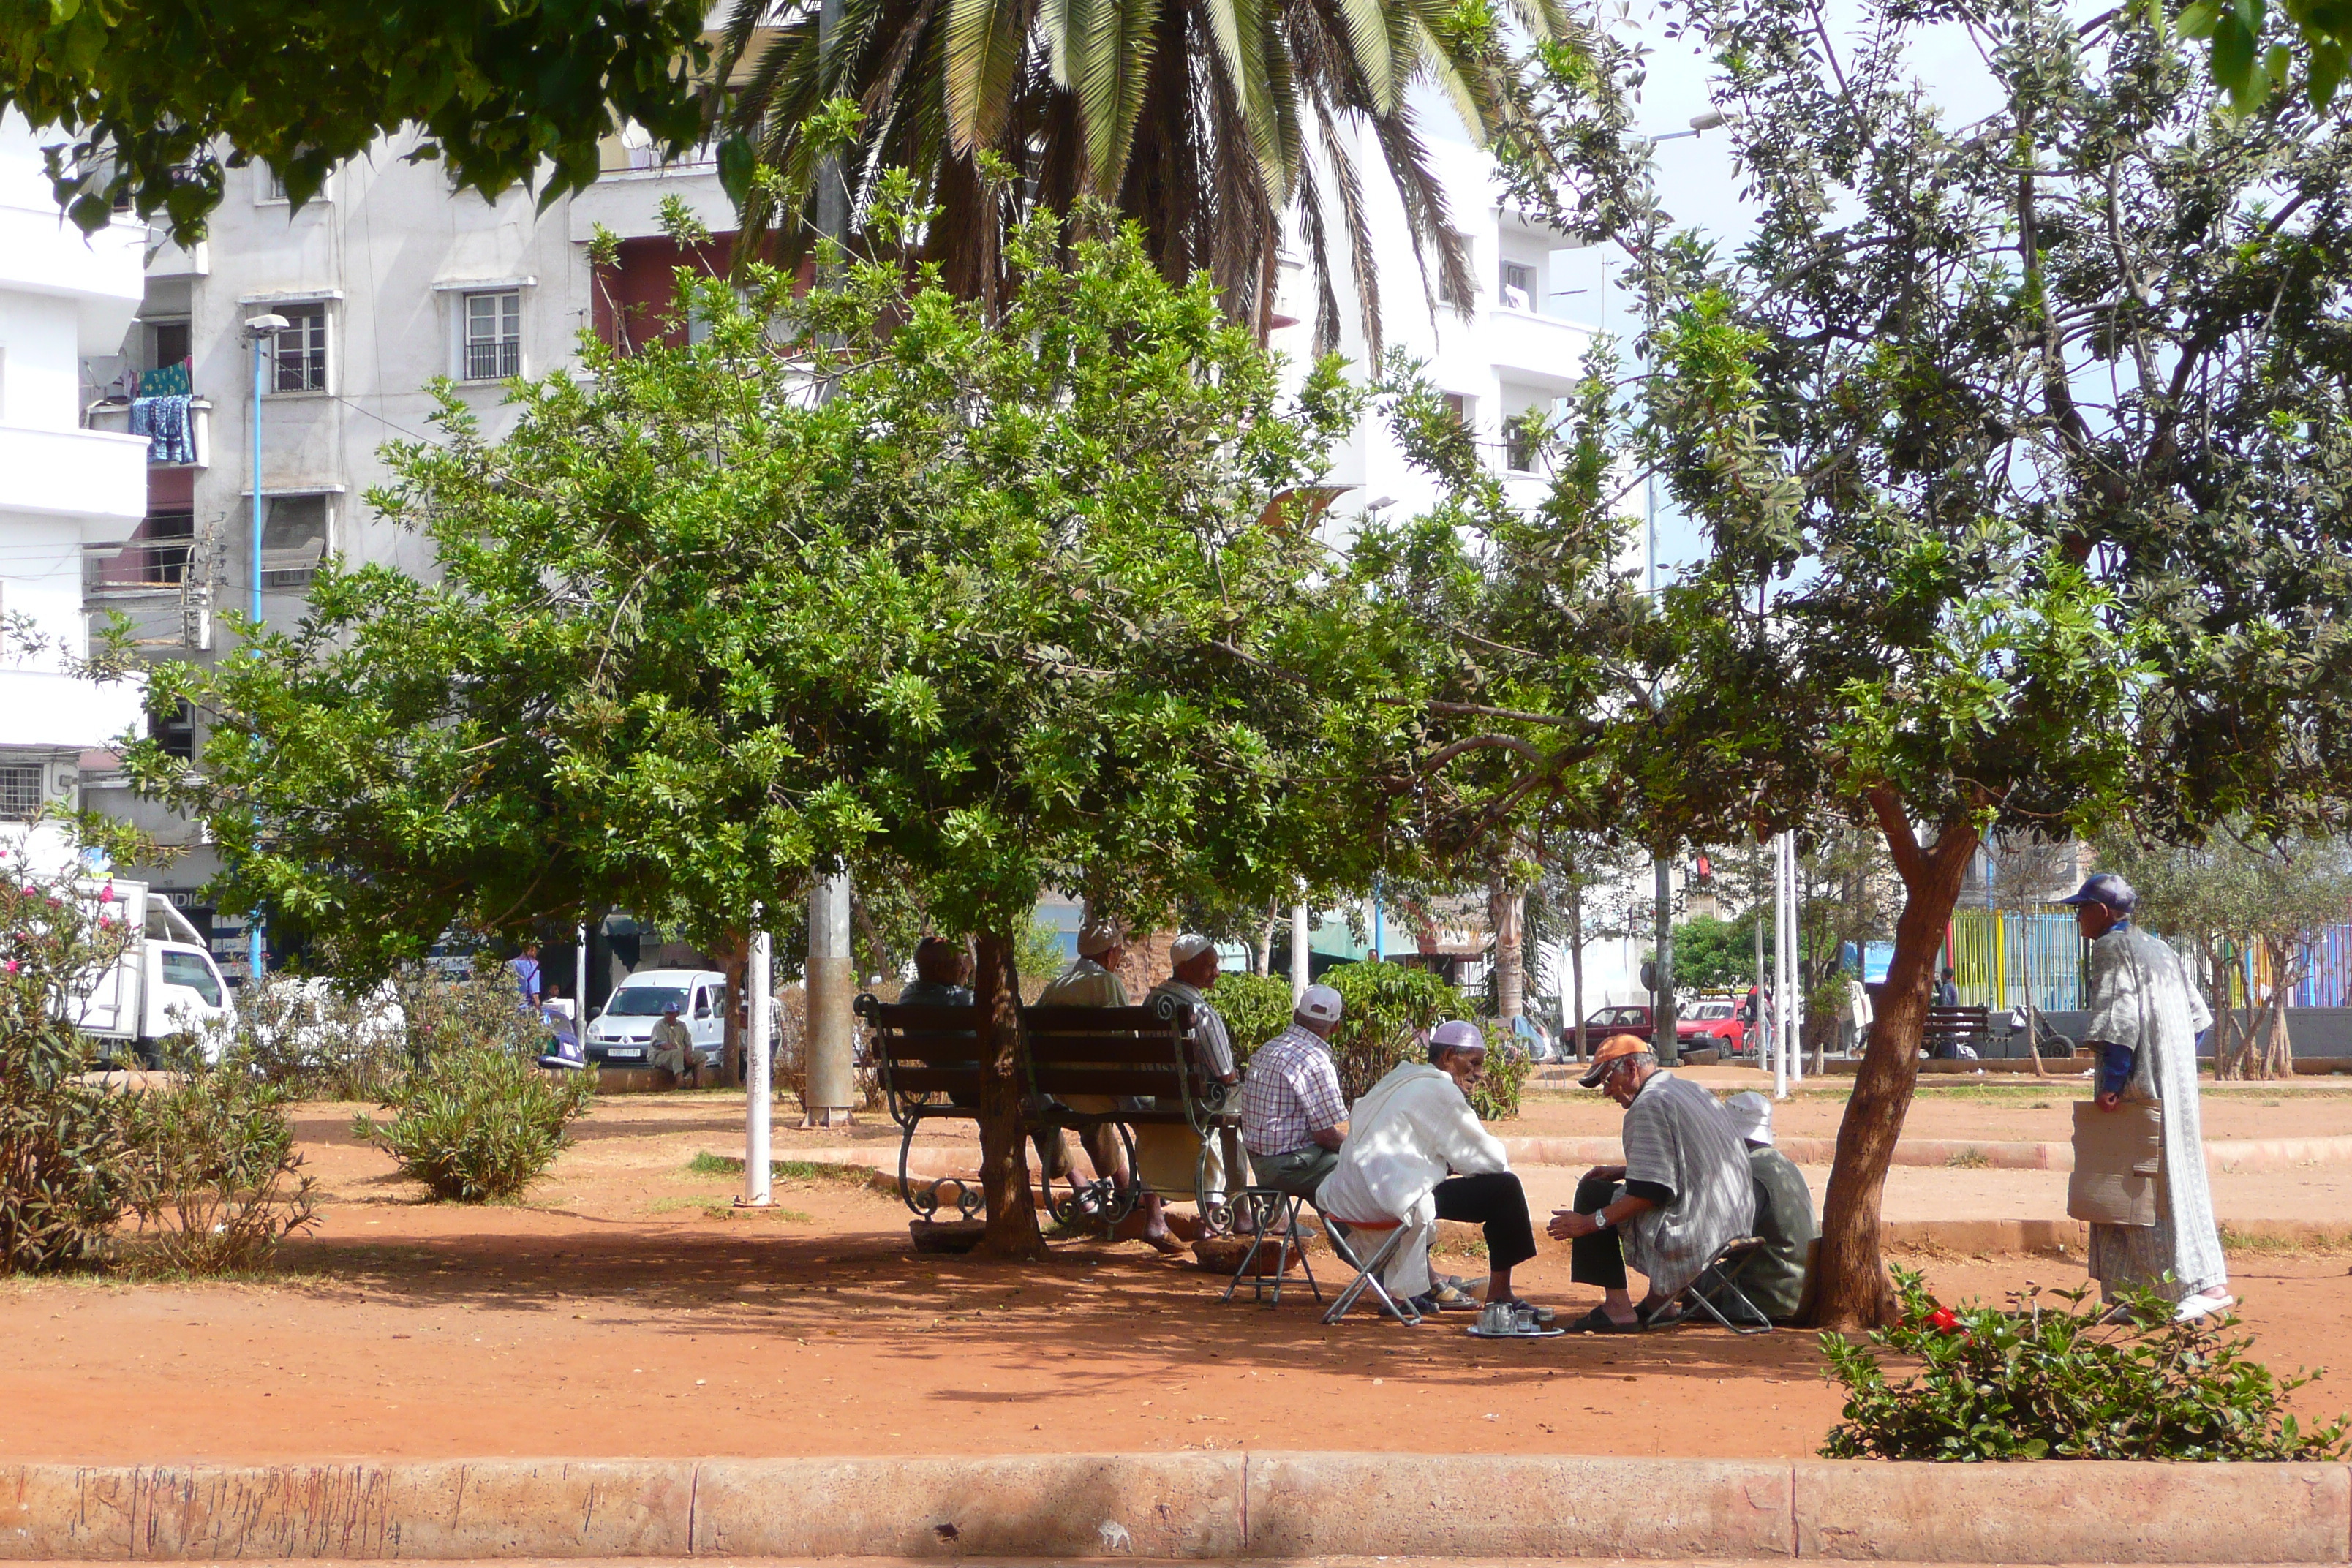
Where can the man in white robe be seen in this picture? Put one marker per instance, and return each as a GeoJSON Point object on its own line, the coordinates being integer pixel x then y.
{"type": "Point", "coordinates": [2146, 1016]}
{"type": "Point", "coordinates": [1416, 1153]}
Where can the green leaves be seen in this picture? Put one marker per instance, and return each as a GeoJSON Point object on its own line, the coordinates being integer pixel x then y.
{"type": "Point", "coordinates": [155, 101]}
{"type": "Point", "coordinates": [2047, 1377]}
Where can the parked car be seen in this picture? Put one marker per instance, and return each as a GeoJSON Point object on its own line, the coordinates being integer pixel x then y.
{"type": "Point", "coordinates": [1689, 1033]}
{"type": "Point", "coordinates": [621, 1034]}
{"type": "Point", "coordinates": [1716, 1020]}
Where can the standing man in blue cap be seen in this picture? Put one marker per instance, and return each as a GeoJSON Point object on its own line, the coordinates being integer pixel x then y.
{"type": "Point", "coordinates": [2148, 1228]}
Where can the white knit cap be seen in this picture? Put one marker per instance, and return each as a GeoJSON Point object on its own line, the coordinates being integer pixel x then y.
{"type": "Point", "coordinates": [1100, 936]}
{"type": "Point", "coordinates": [1459, 1033]}
{"type": "Point", "coordinates": [1319, 1003]}
{"type": "Point", "coordinates": [1751, 1117]}
{"type": "Point", "coordinates": [1188, 947]}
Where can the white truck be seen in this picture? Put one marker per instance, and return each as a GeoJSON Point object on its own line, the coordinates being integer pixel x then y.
{"type": "Point", "coordinates": [164, 982]}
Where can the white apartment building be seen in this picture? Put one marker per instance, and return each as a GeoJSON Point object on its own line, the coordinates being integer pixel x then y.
{"type": "Point", "coordinates": [390, 279]}
{"type": "Point", "coordinates": [64, 490]}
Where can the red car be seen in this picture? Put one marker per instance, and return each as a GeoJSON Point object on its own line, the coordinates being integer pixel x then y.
{"type": "Point", "coordinates": [1711, 1022]}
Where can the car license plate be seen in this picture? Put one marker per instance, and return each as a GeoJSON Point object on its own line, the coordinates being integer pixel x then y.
{"type": "Point", "coordinates": [625, 1051]}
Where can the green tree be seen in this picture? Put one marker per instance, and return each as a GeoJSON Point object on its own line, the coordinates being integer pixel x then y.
{"type": "Point", "coordinates": [155, 99]}
{"type": "Point", "coordinates": [2233, 897]}
{"type": "Point", "coordinates": [1025, 602]}
{"type": "Point", "coordinates": [2017, 445]}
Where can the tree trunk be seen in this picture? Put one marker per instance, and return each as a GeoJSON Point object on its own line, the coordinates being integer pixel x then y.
{"type": "Point", "coordinates": [1853, 1291]}
{"type": "Point", "coordinates": [1263, 965]}
{"type": "Point", "coordinates": [2272, 1054]}
{"type": "Point", "coordinates": [1506, 911]}
{"type": "Point", "coordinates": [734, 955]}
{"type": "Point", "coordinates": [2227, 1064]}
{"type": "Point", "coordinates": [1003, 1152]}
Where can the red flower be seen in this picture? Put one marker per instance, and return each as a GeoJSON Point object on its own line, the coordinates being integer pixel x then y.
{"type": "Point", "coordinates": [1942, 1318]}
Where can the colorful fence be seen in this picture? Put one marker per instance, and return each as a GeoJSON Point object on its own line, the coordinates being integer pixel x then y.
{"type": "Point", "coordinates": [1999, 956]}
{"type": "Point", "coordinates": [1995, 953]}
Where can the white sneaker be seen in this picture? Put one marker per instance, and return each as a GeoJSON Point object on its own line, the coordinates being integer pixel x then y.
{"type": "Point", "coordinates": [2204, 1304]}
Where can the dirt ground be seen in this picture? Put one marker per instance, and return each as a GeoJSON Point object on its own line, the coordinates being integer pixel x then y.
{"type": "Point", "coordinates": [627, 1310]}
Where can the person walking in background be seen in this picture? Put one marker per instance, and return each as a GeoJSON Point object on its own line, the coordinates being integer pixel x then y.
{"type": "Point", "coordinates": [1947, 993]}
{"type": "Point", "coordinates": [2148, 1230]}
{"type": "Point", "coordinates": [1859, 1013]}
{"type": "Point", "coordinates": [525, 965]}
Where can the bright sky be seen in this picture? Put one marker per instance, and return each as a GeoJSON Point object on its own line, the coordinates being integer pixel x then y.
{"type": "Point", "coordinates": [1696, 180]}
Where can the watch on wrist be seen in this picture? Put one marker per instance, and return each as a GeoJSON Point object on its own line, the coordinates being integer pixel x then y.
{"type": "Point", "coordinates": [1600, 1219]}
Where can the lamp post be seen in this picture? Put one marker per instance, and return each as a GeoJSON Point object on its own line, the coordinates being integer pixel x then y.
{"type": "Point", "coordinates": [261, 331]}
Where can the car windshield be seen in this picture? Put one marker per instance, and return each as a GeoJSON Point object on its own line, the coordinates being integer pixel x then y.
{"type": "Point", "coordinates": [646, 1001]}
{"type": "Point", "coordinates": [1712, 1010]}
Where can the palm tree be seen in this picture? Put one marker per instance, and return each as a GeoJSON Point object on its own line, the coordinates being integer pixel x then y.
{"type": "Point", "coordinates": [1205, 121]}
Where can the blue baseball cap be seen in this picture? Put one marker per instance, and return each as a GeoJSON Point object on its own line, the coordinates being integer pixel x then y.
{"type": "Point", "coordinates": [2105, 887]}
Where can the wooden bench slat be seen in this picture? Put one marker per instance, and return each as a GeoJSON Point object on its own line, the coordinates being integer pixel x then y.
{"type": "Point", "coordinates": [936, 1080]}
{"type": "Point", "coordinates": [1092, 1020]}
{"type": "Point", "coordinates": [1056, 1050]}
{"type": "Point", "coordinates": [925, 1015]}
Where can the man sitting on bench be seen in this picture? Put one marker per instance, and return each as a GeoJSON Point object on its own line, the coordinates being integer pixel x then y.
{"type": "Point", "coordinates": [1683, 1194]}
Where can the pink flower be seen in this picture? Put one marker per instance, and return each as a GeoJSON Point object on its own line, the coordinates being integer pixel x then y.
{"type": "Point", "coordinates": [106, 894]}
{"type": "Point", "coordinates": [10, 966]}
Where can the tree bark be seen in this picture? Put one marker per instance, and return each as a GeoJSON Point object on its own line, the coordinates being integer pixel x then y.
{"type": "Point", "coordinates": [1505, 913]}
{"type": "Point", "coordinates": [1003, 1153]}
{"type": "Point", "coordinates": [1853, 1291]}
{"type": "Point", "coordinates": [2269, 1050]}
{"type": "Point", "coordinates": [734, 955]}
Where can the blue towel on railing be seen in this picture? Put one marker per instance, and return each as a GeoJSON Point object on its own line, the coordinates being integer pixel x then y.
{"type": "Point", "coordinates": [165, 421]}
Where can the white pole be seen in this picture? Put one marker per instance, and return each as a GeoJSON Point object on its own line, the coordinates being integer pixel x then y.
{"type": "Point", "coordinates": [1780, 969]}
{"type": "Point", "coordinates": [580, 988]}
{"type": "Point", "coordinates": [758, 1082]}
{"type": "Point", "coordinates": [1298, 951]}
{"type": "Point", "coordinates": [1796, 968]}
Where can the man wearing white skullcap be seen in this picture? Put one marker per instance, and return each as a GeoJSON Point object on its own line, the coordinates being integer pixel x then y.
{"type": "Point", "coordinates": [1093, 982]}
{"type": "Point", "coordinates": [1417, 1152]}
{"type": "Point", "coordinates": [1293, 1117]}
{"type": "Point", "coordinates": [1773, 1278]}
{"type": "Point", "coordinates": [1169, 1154]}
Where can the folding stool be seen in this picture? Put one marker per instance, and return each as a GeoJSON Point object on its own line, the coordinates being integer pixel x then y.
{"type": "Point", "coordinates": [1367, 1271]}
{"type": "Point", "coordinates": [1271, 1214]}
{"type": "Point", "coordinates": [1721, 1276]}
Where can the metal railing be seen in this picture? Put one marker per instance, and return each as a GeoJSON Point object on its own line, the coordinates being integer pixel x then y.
{"type": "Point", "coordinates": [144, 566]}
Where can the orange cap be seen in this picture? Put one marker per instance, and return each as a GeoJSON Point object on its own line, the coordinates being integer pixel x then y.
{"type": "Point", "coordinates": [1613, 1049]}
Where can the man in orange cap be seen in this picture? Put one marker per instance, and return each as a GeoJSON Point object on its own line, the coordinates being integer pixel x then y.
{"type": "Point", "coordinates": [1680, 1196]}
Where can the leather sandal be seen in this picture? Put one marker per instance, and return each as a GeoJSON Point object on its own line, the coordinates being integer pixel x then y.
{"type": "Point", "coordinates": [1599, 1321]}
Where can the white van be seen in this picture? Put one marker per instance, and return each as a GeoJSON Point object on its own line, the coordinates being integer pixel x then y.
{"type": "Point", "coordinates": [165, 982]}
{"type": "Point", "coordinates": [620, 1034]}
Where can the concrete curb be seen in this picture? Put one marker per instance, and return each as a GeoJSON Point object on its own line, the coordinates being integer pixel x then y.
{"type": "Point", "coordinates": [1183, 1506]}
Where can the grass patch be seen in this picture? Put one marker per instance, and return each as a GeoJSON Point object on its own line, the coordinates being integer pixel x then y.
{"type": "Point", "coordinates": [709, 1164]}
{"type": "Point", "coordinates": [1969, 1159]}
{"type": "Point", "coordinates": [2265, 1245]}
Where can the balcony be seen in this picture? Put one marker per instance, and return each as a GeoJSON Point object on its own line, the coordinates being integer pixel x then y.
{"type": "Point", "coordinates": [1543, 353]}
{"type": "Point", "coordinates": [115, 419]}
{"type": "Point", "coordinates": [143, 569]}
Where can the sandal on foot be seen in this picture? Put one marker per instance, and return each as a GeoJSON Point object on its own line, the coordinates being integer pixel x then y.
{"type": "Point", "coordinates": [1599, 1321]}
{"type": "Point", "coordinates": [1452, 1299]}
{"type": "Point", "coordinates": [1164, 1244]}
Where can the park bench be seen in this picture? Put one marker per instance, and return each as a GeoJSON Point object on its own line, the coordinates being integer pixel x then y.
{"type": "Point", "coordinates": [1952, 1026]}
{"type": "Point", "coordinates": [928, 1059]}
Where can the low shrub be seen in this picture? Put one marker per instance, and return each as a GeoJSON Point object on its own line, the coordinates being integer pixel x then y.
{"type": "Point", "coordinates": [480, 1121]}
{"type": "Point", "coordinates": [2046, 1378]}
{"type": "Point", "coordinates": [1256, 1008]}
{"type": "Point", "coordinates": [317, 1039]}
{"type": "Point", "coordinates": [219, 1184]}
{"type": "Point", "coordinates": [1387, 1011]}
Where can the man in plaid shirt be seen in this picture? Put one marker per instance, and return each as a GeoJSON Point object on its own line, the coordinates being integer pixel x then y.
{"type": "Point", "coordinates": [1293, 1118]}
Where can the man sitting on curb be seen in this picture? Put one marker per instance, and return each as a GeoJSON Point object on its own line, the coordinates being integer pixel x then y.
{"type": "Point", "coordinates": [1773, 1278]}
{"type": "Point", "coordinates": [673, 1048]}
{"type": "Point", "coordinates": [1682, 1196]}
{"type": "Point", "coordinates": [1416, 1153]}
{"type": "Point", "coordinates": [1294, 1117]}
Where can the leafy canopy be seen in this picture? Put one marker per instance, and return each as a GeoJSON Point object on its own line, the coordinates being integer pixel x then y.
{"type": "Point", "coordinates": [1026, 600]}
{"type": "Point", "coordinates": [158, 96]}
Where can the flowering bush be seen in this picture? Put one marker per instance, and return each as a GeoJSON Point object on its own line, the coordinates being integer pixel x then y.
{"type": "Point", "coordinates": [65, 1171]}
{"type": "Point", "coordinates": [2058, 1380]}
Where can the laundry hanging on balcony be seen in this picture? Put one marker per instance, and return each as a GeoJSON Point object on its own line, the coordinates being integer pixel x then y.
{"type": "Point", "coordinates": [167, 381]}
{"type": "Point", "coordinates": [170, 438]}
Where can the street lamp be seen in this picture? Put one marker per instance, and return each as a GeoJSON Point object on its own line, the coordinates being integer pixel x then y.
{"type": "Point", "coordinates": [261, 331]}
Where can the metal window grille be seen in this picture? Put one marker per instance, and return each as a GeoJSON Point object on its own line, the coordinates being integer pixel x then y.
{"type": "Point", "coordinates": [493, 335]}
{"type": "Point", "coordinates": [301, 349]}
{"type": "Point", "coordinates": [20, 789]}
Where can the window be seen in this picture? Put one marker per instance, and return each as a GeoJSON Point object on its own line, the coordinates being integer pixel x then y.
{"type": "Point", "coordinates": [1519, 286]}
{"type": "Point", "coordinates": [493, 335]}
{"type": "Point", "coordinates": [21, 791]}
{"type": "Point", "coordinates": [296, 533]}
{"type": "Point", "coordinates": [301, 350]}
{"type": "Point", "coordinates": [273, 184]}
{"type": "Point", "coordinates": [1447, 294]}
{"type": "Point", "coordinates": [167, 342]}
{"type": "Point", "coordinates": [1459, 406]}
{"type": "Point", "coordinates": [177, 735]}
{"type": "Point", "coordinates": [192, 971]}
{"type": "Point", "coordinates": [702, 1001]}
{"type": "Point", "coordinates": [1523, 442]}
